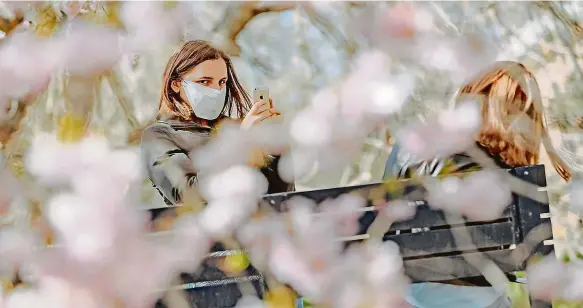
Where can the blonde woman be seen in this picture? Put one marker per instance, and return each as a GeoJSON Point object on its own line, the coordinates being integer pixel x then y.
{"type": "Point", "coordinates": [511, 134]}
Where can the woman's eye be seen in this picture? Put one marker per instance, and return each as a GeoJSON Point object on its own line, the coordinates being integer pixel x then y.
{"type": "Point", "coordinates": [203, 82]}
{"type": "Point", "coordinates": [222, 82]}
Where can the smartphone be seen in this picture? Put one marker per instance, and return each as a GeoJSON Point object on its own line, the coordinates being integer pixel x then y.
{"type": "Point", "coordinates": [261, 93]}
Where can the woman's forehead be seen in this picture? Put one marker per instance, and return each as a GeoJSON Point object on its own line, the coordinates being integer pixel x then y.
{"type": "Point", "coordinates": [214, 69]}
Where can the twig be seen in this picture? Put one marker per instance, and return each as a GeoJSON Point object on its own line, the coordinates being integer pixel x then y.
{"type": "Point", "coordinates": [444, 17]}
{"type": "Point", "coordinates": [176, 298]}
{"type": "Point", "coordinates": [493, 274]}
{"type": "Point", "coordinates": [247, 11]}
{"type": "Point", "coordinates": [122, 99]}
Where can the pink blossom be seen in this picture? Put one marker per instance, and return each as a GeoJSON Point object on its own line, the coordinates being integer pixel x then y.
{"type": "Point", "coordinates": [351, 295]}
{"type": "Point", "coordinates": [407, 32]}
{"type": "Point", "coordinates": [310, 129]}
{"type": "Point", "coordinates": [307, 259]}
{"type": "Point", "coordinates": [452, 132]}
{"type": "Point", "coordinates": [56, 292]}
{"type": "Point", "coordinates": [286, 264]}
{"type": "Point", "coordinates": [142, 273]}
{"type": "Point", "coordinates": [187, 230]}
{"type": "Point", "coordinates": [26, 64]}
{"type": "Point", "coordinates": [371, 267]}
{"type": "Point", "coordinates": [481, 195]}
{"type": "Point", "coordinates": [16, 248]}
{"type": "Point", "coordinates": [370, 90]}
{"type": "Point", "coordinates": [301, 211]}
{"type": "Point", "coordinates": [257, 236]}
{"type": "Point", "coordinates": [23, 297]}
{"type": "Point", "coordinates": [149, 22]}
{"type": "Point", "coordinates": [291, 168]}
{"type": "Point", "coordinates": [222, 216]}
{"type": "Point", "coordinates": [302, 163]}
{"type": "Point", "coordinates": [230, 147]}
{"type": "Point", "coordinates": [546, 278]}
{"type": "Point", "coordinates": [274, 138]}
{"type": "Point", "coordinates": [89, 49]}
{"type": "Point", "coordinates": [54, 163]}
{"type": "Point", "coordinates": [399, 20]}
{"type": "Point", "coordinates": [71, 8]}
{"type": "Point", "coordinates": [399, 210]}
{"type": "Point", "coordinates": [28, 61]}
{"type": "Point", "coordinates": [385, 262]}
{"type": "Point", "coordinates": [84, 227]}
{"type": "Point", "coordinates": [117, 168]}
{"type": "Point", "coordinates": [343, 212]}
{"type": "Point", "coordinates": [237, 181]}
{"type": "Point", "coordinates": [325, 103]}
{"type": "Point", "coordinates": [462, 57]}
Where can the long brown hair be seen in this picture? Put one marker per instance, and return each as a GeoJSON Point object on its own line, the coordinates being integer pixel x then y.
{"type": "Point", "coordinates": [511, 93]}
{"type": "Point", "coordinates": [189, 55]}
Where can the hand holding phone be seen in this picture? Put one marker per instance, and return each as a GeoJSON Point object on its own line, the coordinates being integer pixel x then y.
{"type": "Point", "coordinates": [262, 108]}
{"type": "Point", "coordinates": [262, 94]}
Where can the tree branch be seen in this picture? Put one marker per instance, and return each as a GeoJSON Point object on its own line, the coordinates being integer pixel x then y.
{"type": "Point", "coordinates": [559, 13]}
{"type": "Point", "coordinates": [135, 136]}
{"type": "Point", "coordinates": [8, 128]}
{"type": "Point", "coordinates": [7, 25]}
{"type": "Point", "coordinates": [247, 11]}
{"type": "Point", "coordinates": [122, 99]}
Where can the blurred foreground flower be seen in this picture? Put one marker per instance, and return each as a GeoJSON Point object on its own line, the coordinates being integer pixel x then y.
{"type": "Point", "coordinates": [452, 132]}
{"type": "Point", "coordinates": [232, 197]}
{"type": "Point", "coordinates": [153, 21]}
{"type": "Point", "coordinates": [101, 245]}
{"type": "Point", "coordinates": [331, 131]}
{"type": "Point", "coordinates": [398, 210]}
{"type": "Point", "coordinates": [551, 279]}
{"type": "Point", "coordinates": [481, 195]}
{"type": "Point", "coordinates": [26, 64]}
{"type": "Point", "coordinates": [408, 32]}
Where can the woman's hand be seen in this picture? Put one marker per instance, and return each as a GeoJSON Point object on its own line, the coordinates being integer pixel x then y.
{"type": "Point", "coordinates": [260, 111]}
{"type": "Point", "coordinates": [275, 117]}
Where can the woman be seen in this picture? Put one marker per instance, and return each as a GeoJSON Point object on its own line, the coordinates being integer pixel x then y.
{"type": "Point", "coordinates": [511, 95]}
{"type": "Point", "coordinates": [199, 90]}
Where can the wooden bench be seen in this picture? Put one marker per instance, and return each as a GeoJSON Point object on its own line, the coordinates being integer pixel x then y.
{"type": "Point", "coordinates": [427, 243]}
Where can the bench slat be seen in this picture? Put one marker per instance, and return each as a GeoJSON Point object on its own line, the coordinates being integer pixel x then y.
{"type": "Point", "coordinates": [425, 217]}
{"type": "Point", "coordinates": [442, 241]}
{"type": "Point", "coordinates": [455, 267]}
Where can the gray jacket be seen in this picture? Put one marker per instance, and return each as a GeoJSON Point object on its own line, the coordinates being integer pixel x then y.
{"type": "Point", "coordinates": [165, 151]}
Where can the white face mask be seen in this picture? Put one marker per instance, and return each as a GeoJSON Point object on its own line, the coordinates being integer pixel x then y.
{"type": "Point", "coordinates": [207, 103]}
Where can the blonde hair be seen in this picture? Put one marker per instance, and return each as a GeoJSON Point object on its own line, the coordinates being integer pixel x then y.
{"type": "Point", "coordinates": [510, 94]}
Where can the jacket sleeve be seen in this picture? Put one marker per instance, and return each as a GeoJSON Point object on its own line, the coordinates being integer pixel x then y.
{"type": "Point", "coordinates": [168, 166]}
